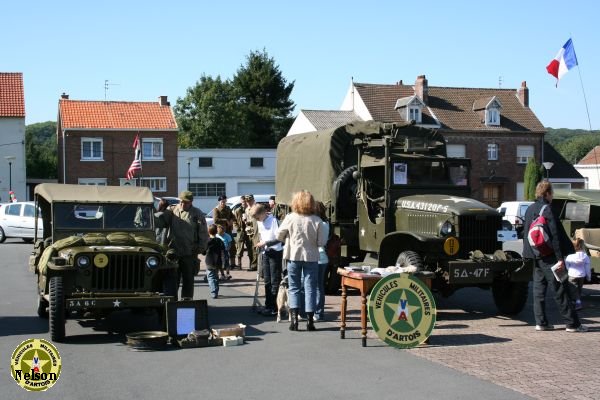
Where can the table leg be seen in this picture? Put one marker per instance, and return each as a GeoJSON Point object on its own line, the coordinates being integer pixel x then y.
{"type": "Point", "coordinates": [363, 318]}
{"type": "Point", "coordinates": [343, 313]}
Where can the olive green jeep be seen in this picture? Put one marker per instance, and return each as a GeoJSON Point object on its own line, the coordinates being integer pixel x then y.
{"type": "Point", "coordinates": [99, 253]}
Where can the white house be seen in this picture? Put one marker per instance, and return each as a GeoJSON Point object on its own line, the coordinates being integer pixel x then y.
{"type": "Point", "coordinates": [589, 167]}
{"type": "Point", "coordinates": [12, 136]}
{"type": "Point", "coordinates": [209, 173]}
{"type": "Point", "coordinates": [316, 120]}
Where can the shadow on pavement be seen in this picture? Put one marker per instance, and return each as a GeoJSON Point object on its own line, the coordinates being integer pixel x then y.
{"type": "Point", "coordinates": [470, 339]}
{"type": "Point", "coordinates": [25, 325]}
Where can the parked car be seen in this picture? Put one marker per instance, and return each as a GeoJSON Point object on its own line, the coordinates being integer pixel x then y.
{"type": "Point", "coordinates": [514, 212]}
{"type": "Point", "coordinates": [170, 200]}
{"type": "Point", "coordinates": [17, 220]}
{"type": "Point", "coordinates": [235, 202]}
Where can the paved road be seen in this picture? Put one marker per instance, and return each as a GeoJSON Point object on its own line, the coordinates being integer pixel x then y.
{"type": "Point", "coordinates": [273, 364]}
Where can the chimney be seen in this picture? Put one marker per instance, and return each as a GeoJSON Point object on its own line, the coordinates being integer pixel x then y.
{"type": "Point", "coordinates": [400, 83]}
{"type": "Point", "coordinates": [162, 100]}
{"type": "Point", "coordinates": [523, 94]}
{"type": "Point", "coordinates": [64, 96]}
{"type": "Point", "coordinates": [421, 88]}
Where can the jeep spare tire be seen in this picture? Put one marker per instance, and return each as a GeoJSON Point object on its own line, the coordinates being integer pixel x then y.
{"type": "Point", "coordinates": [408, 259]}
{"type": "Point", "coordinates": [344, 188]}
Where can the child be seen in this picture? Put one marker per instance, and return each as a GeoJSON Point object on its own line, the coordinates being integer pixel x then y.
{"type": "Point", "coordinates": [214, 260]}
{"type": "Point", "coordinates": [578, 265]}
{"type": "Point", "coordinates": [227, 240]}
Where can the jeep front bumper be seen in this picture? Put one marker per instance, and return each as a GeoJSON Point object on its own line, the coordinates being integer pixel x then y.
{"type": "Point", "coordinates": [468, 272]}
{"type": "Point", "coordinates": [115, 301]}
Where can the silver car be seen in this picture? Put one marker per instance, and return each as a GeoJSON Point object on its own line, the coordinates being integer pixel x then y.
{"type": "Point", "coordinates": [17, 220]}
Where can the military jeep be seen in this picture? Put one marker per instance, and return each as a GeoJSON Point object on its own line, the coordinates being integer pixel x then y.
{"type": "Point", "coordinates": [99, 253]}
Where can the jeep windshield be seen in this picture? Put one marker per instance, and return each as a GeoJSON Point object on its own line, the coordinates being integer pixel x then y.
{"type": "Point", "coordinates": [427, 172]}
{"type": "Point", "coordinates": [94, 217]}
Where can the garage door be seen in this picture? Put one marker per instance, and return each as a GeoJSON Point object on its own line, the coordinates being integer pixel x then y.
{"type": "Point", "coordinates": [256, 188]}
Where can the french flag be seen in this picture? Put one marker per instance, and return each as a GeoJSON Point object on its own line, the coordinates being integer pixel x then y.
{"type": "Point", "coordinates": [563, 62]}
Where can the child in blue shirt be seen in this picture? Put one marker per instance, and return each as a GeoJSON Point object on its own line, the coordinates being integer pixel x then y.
{"type": "Point", "coordinates": [227, 240]}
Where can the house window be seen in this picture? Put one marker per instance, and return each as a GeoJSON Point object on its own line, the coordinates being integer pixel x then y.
{"type": "Point", "coordinates": [152, 149]}
{"type": "Point", "coordinates": [205, 162]}
{"type": "Point", "coordinates": [207, 189]}
{"type": "Point", "coordinates": [256, 162]}
{"type": "Point", "coordinates": [524, 153]}
{"type": "Point", "coordinates": [155, 184]}
{"type": "Point", "coordinates": [414, 114]}
{"type": "Point", "coordinates": [492, 151]}
{"type": "Point", "coordinates": [91, 149]}
{"type": "Point", "coordinates": [561, 186]}
{"type": "Point", "coordinates": [127, 182]}
{"type": "Point", "coordinates": [92, 181]}
{"type": "Point", "coordinates": [456, 150]}
{"type": "Point", "coordinates": [492, 116]}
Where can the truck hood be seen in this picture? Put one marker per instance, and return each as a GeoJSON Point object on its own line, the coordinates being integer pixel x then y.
{"type": "Point", "coordinates": [440, 203]}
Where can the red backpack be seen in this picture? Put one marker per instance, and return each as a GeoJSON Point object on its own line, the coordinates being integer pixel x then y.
{"type": "Point", "coordinates": [539, 237]}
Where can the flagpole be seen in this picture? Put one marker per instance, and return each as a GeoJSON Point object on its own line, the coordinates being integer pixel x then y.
{"type": "Point", "coordinates": [141, 159]}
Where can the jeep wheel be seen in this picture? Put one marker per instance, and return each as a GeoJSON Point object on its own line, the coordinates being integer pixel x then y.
{"type": "Point", "coordinates": [409, 258]}
{"type": "Point", "coordinates": [2, 235]}
{"type": "Point", "coordinates": [42, 307]}
{"type": "Point", "coordinates": [510, 297]}
{"type": "Point", "coordinates": [57, 309]}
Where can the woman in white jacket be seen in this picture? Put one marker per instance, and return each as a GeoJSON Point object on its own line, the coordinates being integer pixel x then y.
{"type": "Point", "coordinates": [303, 234]}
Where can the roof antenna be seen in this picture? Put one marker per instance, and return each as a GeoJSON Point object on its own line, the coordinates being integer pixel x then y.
{"type": "Point", "coordinates": [500, 82]}
{"type": "Point", "coordinates": [106, 87]}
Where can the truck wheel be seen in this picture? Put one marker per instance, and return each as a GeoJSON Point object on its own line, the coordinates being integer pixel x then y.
{"type": "Point", "coordinates": [57, 309]}
{"type": "Point", "coordinates": [2, 235]}
{"type": "Point", "coordinates": [409, 258]}
{"type": "Point", "coordinates": [42, 307]}
{"type": "Point", "coordinates": [510, 297]}
{"type": "Point", "coordinates": [333, 281]}
{"type": "Point", "coordinates": [345, 188]}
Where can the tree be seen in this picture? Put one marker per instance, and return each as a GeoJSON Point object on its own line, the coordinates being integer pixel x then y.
{"type": "Point", "coordinates": [576, 148]}
{"type": "Point", "coordinates": [265, 96]}
{"type": "Point", "coordinates": [40, 150]}
{"type": "Point", "coordinates": [208, 115]}
{"type": "Point", "coordinates": [531, 178]}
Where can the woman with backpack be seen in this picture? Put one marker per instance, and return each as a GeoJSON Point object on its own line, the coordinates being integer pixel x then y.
{"type": "Point", "coordinates": [547, 244]}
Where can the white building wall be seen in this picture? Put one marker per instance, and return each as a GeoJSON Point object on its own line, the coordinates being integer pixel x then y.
{"type": "Point", "coordinates": [301, 125]}
{"type": "Point", "coordinates": [12, 143]}
{"type": "Point", "coordinates": [591, 174]}
{"type": "Point", "coordinates": [229, 166]}
{"type": "Point", "coordinates": [353, 102]}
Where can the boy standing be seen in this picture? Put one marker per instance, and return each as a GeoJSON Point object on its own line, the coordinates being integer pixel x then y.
{"type": "Point", "coordinates": [214, 260]}
{"type": "Point", "coordinates": [226, 238]}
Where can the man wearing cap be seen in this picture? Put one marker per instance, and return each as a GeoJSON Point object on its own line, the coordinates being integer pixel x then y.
{"type": "Point", "coordinates": [252, 232]}
{"type": "Point", "coordinates": [276, 209]}
{"type": "Point", "coordinates": [241, 239]}
{"type": "Point", "coordinates": [187, 235]}
{"type": "Point", "coordinates": [224, 216]}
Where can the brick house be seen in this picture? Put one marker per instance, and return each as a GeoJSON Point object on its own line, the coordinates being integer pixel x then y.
{"type": "Point", "coordinates": [12, 136]}
{"type": "Point", "coordinates": [95, 141]}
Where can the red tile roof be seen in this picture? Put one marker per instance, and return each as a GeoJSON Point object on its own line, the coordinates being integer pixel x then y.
{"type": "Point", "coordinates": [83, 114]}
{"type": "Point", "coordinates": [12, 96]}
{"type": "Point", "coordinates": [591, 158]}
{"type": "Point", "coordinates": [452, 107]}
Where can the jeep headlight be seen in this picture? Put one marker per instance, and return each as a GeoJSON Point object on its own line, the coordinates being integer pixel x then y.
{"type": "Point", "coordinates": [447, 228]}
{"type": "Point", "coordinates": [83, 261]}
{"type": "Point", "coordinates": [152, 262]}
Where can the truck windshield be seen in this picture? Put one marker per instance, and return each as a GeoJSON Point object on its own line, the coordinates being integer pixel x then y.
{"type": "Point", "coordinates": [430, 172]}
{"type": "Point", "coordinates": [103, 216]}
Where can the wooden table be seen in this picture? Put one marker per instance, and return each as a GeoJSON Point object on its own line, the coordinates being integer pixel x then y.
{"type": "Point", "coordinates": [364, 283]}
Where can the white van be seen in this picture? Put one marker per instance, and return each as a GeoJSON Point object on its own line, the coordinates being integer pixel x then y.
{"type": "Point", "coordinates": [514, 211]}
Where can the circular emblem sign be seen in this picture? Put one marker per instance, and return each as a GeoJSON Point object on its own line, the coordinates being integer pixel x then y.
{"type": "Point", "coordinates": [100, 260]}
{"type": "Point", "coordinates": [451, 246]}
{"type": "Point", "coordinates": [402, 310]}
{"type": "Point", "coordinates": [35, 365]}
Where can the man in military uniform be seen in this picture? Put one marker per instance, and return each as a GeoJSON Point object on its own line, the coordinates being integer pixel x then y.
{"type": "Point", "coordinates": [252, 232]}
{"type": "Point", "coordinates": [277, 210]}
{"type": "Point", "coordinates": [224, 216]}
{"type": "Point", "coordinates": [188, 235]}
{"type": "Point", "coordinates": [242, 239]}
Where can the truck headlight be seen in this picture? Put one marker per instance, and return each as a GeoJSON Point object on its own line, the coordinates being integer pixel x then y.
{"type": "Point", "coordinates": [152, 262]}
{"type": "Point", "coordinates": [83, 261]}
{"type": "Point", "coordinates": [447, 228]}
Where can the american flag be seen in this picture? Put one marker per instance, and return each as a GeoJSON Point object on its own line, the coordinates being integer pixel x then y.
{"type": "Point", "coordinates": [136, 165]}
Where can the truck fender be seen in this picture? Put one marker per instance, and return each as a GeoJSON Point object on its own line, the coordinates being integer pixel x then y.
{"type": "Point", "coordinates": [395, 243]}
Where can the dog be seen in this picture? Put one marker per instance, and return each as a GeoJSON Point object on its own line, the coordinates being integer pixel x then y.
{"type": "Point", "coordinates": [282, 299]}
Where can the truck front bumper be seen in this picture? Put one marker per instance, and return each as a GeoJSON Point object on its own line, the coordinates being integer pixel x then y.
{"type": "Point", "coordinates": [469, 272]}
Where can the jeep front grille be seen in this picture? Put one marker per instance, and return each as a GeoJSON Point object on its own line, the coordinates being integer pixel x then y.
{"type": "Point", "coordinates": [124, 272]}
{"type": "Point", "coordinates": [478, 232]}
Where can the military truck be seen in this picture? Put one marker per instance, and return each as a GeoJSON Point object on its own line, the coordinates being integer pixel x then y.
{"type": "Point", "coordinates": [99, 253]}
{"type": "Point", "coordinates": [395, 199]}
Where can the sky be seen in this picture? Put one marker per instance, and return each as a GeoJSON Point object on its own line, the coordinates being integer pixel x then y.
{"type": "Point", "coordinates": [150, 48]}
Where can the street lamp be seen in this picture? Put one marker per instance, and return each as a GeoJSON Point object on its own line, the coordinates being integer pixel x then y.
{"type": "Point", "coordinates": [189, 161]}
{"type": "Point", "coordinates": [10, 160]}
{"type": "Point", "coordinates": [548, 165]}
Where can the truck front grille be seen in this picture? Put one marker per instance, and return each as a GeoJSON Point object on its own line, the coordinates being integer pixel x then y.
{"type": "Point", "coordinates": [124, 272]}
{"type": "Point", "coordinates": [478, 232]}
